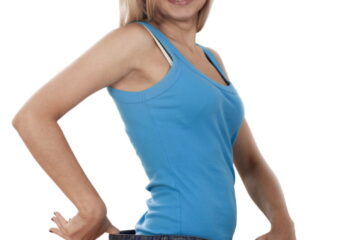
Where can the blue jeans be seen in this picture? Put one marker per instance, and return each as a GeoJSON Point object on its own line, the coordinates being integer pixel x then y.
{"type": "Point", "coordinates": [130, 235]}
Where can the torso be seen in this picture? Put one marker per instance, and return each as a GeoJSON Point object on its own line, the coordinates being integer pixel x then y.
{"type": "Point", "coordinates": [183, 119]}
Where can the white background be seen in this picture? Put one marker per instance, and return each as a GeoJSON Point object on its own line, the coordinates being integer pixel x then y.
{"type": "Point", "coordinates": [298, 66]}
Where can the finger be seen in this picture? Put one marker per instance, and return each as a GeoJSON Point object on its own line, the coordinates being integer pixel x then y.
{"type": "Point", "coordinates": [59, 224]}
{"type": "Point", "coordinates": [58, 232]}
{"type": "Point", "coordinates": [61, 219]}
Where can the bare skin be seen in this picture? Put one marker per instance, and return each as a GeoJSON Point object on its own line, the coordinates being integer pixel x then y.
{"type": "Point", "coordinates": [128, 58]}
{"type": "Point", "coordinates": [262, 186]}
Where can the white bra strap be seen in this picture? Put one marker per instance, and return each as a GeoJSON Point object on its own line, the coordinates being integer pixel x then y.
{"type": "Point", "coordinates": [160, 46]}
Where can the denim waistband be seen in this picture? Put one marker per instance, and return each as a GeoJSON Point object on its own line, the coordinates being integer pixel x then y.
{"type": "Point", "coordinates": [130, 235]}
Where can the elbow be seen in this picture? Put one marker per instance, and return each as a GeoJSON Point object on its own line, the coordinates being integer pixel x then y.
{"type": "Point", "coordinates": [33, 114]}
{"type": "Point", "coordinates": [246, 165]}
{"type": "Point", "coordinates": [16, 120]}
{"type": "Point", "coordinates": [20, 120]}
{"type": "Point", "coordinates": [29, 119]}
{"type": "Point", "coordinates": [24, 119]}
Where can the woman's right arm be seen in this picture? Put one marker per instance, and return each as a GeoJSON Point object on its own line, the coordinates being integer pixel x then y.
{"type": "Point", "coordinates": [106, 62]}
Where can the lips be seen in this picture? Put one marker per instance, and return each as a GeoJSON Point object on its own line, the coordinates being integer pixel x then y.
{"type": "Point", "coordinates": [180, 2]}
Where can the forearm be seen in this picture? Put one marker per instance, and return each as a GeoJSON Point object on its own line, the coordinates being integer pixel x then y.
{"type": "Point", "coordinates": [264, 189]}
{"type": "Point", "coordinates": [48, 145]}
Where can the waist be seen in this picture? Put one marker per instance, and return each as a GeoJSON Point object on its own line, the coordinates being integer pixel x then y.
{"type": "Point", "coordinates": [208, 213]}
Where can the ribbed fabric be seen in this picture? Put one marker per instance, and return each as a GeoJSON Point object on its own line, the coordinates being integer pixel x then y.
{"type": "Point", "coordinates": [183, 129]}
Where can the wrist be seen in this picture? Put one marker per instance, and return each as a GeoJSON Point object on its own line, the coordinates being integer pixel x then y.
{"type": "Point", "coordinates": [93, 211]}
{"type": "Point", "coordinates": [282, 222]}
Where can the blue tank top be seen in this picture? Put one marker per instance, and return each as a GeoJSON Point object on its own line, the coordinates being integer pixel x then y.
{"type": "Point", "coordinates": [183, 129]}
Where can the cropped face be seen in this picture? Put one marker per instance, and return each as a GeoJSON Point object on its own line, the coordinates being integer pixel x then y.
{"type": "Point", "coordinates": [179, 10]}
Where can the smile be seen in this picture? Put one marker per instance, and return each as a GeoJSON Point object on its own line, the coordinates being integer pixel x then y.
{"type": "Point", "coordinates": [180, 2]}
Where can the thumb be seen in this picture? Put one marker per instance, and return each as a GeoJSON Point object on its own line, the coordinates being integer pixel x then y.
{"type": "Point", "coordinates": [263, 237]}
{"type": "Point", "coordinates": [112, 229]}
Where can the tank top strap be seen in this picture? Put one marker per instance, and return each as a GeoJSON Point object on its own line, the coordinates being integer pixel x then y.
{"type": "Point", "coordinates": [212, 58]}
{"type": "Point", "coordinates": [162, 39]}
{"type": "Point", "coordinates": [166, 55]}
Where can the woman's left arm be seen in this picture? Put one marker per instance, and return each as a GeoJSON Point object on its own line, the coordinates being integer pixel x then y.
{"type": "Point", "coordinates": [262, 186]}
{"type": "Point", "coordinates": [260, 182]}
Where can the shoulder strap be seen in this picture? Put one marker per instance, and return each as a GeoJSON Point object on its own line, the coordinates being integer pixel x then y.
{"type": "Point", "coordinates": [160, 46]}
{"type": "Point", "coordinates": [161, 40]}
{"type": "Point", "coordinates": [212, 58]}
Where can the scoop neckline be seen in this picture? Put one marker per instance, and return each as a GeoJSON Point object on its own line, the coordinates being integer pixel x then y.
{"type": "Point", "coordinates": [193, 67]}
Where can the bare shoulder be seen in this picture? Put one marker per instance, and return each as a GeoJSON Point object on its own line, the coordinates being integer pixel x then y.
{"type": "Point", "coordinates": [217, 56]}
{"type": "Point", "coordinates": [112, 57]}
{"type": "Point", "coordinates": [130, 40]}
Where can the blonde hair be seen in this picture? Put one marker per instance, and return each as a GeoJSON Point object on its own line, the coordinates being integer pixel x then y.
{"type": "Point", "coordinates": [144, 10]}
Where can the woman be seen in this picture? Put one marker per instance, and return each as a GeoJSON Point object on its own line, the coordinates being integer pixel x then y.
{"type": "Point", "coordinates": [182, 114]}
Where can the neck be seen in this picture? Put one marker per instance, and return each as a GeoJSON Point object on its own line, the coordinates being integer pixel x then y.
{"type": "Point", "coordinates": [181, 33]}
